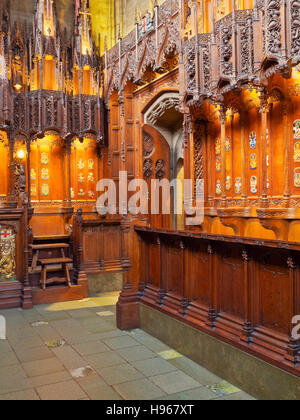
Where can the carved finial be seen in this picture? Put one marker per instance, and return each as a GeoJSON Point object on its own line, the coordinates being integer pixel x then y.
{"type": "Point", "coordinates": [291, 263]}
{"type": "Point", "coordinates": [222, 114]}
{"type": "Point", "coordinates": [245, 256]}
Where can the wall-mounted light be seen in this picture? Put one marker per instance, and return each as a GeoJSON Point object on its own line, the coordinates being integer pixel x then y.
{"type": "Point", "coordinates": [20, 154]}
{"type": "Point", "coordinates": [18, 84]}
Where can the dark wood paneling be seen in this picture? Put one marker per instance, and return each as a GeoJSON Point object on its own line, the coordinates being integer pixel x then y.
{"type": "Point", "coordinates": [242, 291]}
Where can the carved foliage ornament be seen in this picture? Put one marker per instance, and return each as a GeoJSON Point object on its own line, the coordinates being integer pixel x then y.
{"type": "Point", "coordinates": [148, 168]}
{"type": "Point", "coordinates": [160, 168]}
{"type": "Point", "coordinates": [295, 14]}
{"type": "Point", "coordinates": [148, 144]}
{"type": "Point", "coordinates": [273, 26]}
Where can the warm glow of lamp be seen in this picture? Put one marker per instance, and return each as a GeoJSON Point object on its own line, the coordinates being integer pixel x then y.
{"type": "Point", "coordinates": [18, 86]}
{"type": "Point", "coordinates": [20, 154]}
{"type": "Point", "coordinates": [296, 74]}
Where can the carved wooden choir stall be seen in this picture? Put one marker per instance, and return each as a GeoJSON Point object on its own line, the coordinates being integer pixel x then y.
{"type": "Point", "coordinates": [198, 90]}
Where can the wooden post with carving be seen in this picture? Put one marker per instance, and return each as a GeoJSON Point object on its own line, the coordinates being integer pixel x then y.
{"type": "Point", "coordinates": [127, 306]}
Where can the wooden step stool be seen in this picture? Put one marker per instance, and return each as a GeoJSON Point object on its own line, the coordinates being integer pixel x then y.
{"type": "Point", "coordinates": [55, 261]}
{"type": "Point", "coordinates": [38, 249]}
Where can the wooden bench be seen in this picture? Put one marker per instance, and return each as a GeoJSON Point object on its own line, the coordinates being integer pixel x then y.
{"type": "Point", "coordinates": [45, 263]}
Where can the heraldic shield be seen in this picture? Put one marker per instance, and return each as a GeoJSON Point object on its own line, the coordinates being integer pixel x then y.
{"type": "Point", "coordinates": [7, 254]}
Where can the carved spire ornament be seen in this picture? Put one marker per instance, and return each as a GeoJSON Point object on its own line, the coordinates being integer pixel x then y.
{"type": "Point", "coordinates": [54, 83]}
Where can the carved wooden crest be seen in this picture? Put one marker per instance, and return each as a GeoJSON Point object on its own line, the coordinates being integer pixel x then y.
{"type": "Point", "coordinates": [7, 254]}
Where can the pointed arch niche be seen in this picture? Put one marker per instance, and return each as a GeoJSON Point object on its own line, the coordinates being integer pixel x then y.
{"type": "Point", "coordinates": [163, 115]}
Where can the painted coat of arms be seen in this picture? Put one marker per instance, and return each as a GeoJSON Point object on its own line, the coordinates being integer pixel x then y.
{"type": "Point", "coordinates": [253, 140]}
{"type": "Point", "coordinates": [91, 177]}
{"type": "Point", "coordinates": [81, 165]}
{"type": "Point", "coordinates": [228, 183]}
{"type": "Point", "coordinates": [218, 147]}
{"type": "Point", "coordinates": [45, 190]}
{"type": "Point", "coordinates": [44, 158]}
{"type": "Point", "coordinates": [253, 161]}
{"type": "Point", "coordinates": [45, 174]}
{"type": "Point", "coordinates": [227, 144]}
{"type": "Point", "coordinates": [297, 152]}
{"type": "Point", "coordinates": [218, 187]}
{"type": "Point", "coordinates": [91, 164]}
{"type": "Point", "coordinates": [238, 186]}
{"type": "Point", "coordinates": [297, 130]}
{"type": "Point", "coordinates": [7, 254]}
{"type": "Point", "coordinates": [81, 178]}
{"type": "Point", "coordinates": [297, 177]}
{"type": "Point", "coordinates": [253, 184]}
{"type": "Point", "coordinates": [33, 174]}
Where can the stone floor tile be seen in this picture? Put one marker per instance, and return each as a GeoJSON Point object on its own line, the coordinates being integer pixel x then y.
{"type": "Point", "coordinates": [91, 380]}
{"type": "Point", "coordinates": [239, 396]}
{"type": "Point", "coordinates": [71, 333]}
{"type": "Point", "coordinates": [7, 372]}
{"type": "Point", "coordinates": [89, 348]}
{"type": "Point", "coordinates": [113, 363]}
{"type": "Point", "coordinates": [121, 342]}
{"type": "Point", "coordinates": [102, 360]}
{"type": "Point", "coordinates": [12, 379]}
{"type": "Point", "coordinates": [69, 306]}
{"type": "Point", "coordinates": [101, 328]}
{"type": "Point", "coordinates": [114, 375]}
{"type": "Point", "coordinates": [92, 321]}
{"type": "Point", "coordinates": [141, 389]}
{"type": "Point", "coordinates": [8, 359]}
{"type": "Point", "coordinates": [149, 341]}
{"type": "Point", "coordinates": [198, 394]}
{"type": "Point", "coordinates": [49, 307]}
{"type": "Point", "coordinates": [69, 357]}
{"type": "Point", "coordinates": [80, 313]}
{"type": "Point", "coordinates": [32, 315]}
{"type": "Point", "coordinates": [26, 343]}
{"type": "Point", "coordinates": [47, 333]}
{"type": "Point", "coordinates": [11, 312]}
{"type": "Point", "coordinates": [175, 382]}
{"type": "Point", "coordinates": [22, 334]}
{"type": "Point", "coordinates": [56, 316]}
{"type": "Point", "coordinates": [153, 367]}
{"type": "Point", "coordinates": [26, 395]}
{"type": "Point", "coordinates": [102, 393]}
{"type": "Point", "coordinates": [134, 354]}
{"type": "Point", "coordinates": [195, 371]}
{"type": "Point", "coordinates": [106, 299]}
{"type": "Point", "coordinates": [42, 367]}
{"type": "Point", "coordinates": [18, 323]}
{"type": "Point", "coordinates": [69, 390]}
{"type": "Point", "coordinates": [5, 347]}
{"type": "Point", "coordinates": [31, 355]}
{"type": "Point", "coordinates": [85, 337]}
{"type": "Point", "coordinates": [65, 324]}
{"type": "Point", "coordinates": [52, 378]}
